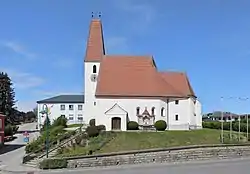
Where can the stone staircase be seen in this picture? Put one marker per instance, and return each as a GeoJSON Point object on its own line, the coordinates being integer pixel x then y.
{"type": "Point", "coordinates": [53, 151]}
{"type": "Point", "coordinates": [35, 162]}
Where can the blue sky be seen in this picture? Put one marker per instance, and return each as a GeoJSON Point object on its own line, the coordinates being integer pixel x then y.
{"type": "Point", "coordinates": [42, 44]}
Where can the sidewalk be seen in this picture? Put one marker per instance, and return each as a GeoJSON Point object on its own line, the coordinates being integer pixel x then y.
{"type": "Point", "coordinates": [12, 154]}
{"type": "Point", "coordinates": [18, 169]}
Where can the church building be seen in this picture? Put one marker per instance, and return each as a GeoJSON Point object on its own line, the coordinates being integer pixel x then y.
{"type": "Point", "coordinates": [123, 88]}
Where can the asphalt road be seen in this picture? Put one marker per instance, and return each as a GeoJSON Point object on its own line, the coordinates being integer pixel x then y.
{"type": "Point", "coordinates": [12, 153]}
{"type": "Point", "coordinates": [239, 166]}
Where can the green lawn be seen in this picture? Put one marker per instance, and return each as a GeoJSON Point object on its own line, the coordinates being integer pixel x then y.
{"type": "Point", "coordinates": [74, 125]}
{"type": "Point", "coordinates": [126, 141]}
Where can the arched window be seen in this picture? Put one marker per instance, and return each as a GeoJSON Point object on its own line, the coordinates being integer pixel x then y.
{"type": "Point", "coordinates": [153, 111]}
{"type": "Point", "coordinates": [162, 112]}
{"type": "Point", "coordinates": [94, 69]}
{"type": "Point", "coordinates": [137, 111]}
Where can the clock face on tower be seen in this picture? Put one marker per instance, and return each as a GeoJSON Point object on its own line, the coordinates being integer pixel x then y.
{"type": "Point", "coordinates": [93, 77]}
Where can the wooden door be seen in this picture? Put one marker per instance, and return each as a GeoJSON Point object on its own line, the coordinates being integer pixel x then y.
{"type": "Point", "coordinates": [116, 123]}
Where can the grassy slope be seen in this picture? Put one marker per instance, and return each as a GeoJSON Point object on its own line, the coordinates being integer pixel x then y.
{"type": "Point", "coordinates": [74, 125]}
{"type": "Point", "coordinates": [125, 141]}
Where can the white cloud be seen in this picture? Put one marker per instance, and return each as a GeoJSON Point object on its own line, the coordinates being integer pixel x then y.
{"type": "Point", "coordinates": [19, 49]}
{"type": "Point", "coordinates": [23, 80]}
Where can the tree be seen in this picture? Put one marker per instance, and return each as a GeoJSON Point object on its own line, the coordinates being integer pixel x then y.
{"type": "Point", "coordinates": [7, 96]}
{"type": "Point", "coordinates": [35, 110]}
{"type": "Point", "coordinates": [30, 116]}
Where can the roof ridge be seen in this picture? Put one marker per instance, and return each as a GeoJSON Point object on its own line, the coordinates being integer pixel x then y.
{"type": "Point", "coordinates": [127, 55]}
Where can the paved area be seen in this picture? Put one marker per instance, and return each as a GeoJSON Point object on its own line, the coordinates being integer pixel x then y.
{"type": "Point", "coordinates": [239, 166]}
{"type": "Point", "coordinates": [11, 155]}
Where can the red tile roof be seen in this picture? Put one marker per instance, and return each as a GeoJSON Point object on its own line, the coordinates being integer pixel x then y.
{"type": "Point", "coordinates": [95, 44]}
{"type": "Point", "coordinates": [132, 76]}
{"type": "Point", "coordinates": [127, 76]}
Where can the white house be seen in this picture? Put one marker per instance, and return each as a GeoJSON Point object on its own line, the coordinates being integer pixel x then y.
{"type": "Point", "coordinates": [70, 106]}
{"type": "Point", "coordinates": [122, 88]}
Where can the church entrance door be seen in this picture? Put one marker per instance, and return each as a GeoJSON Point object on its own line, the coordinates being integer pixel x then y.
{"type": "Point", "coordinates": [116, 123]}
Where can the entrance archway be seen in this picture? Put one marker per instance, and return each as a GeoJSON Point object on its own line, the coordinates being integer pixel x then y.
{"type": "Point", "coordinates": [116, 123]}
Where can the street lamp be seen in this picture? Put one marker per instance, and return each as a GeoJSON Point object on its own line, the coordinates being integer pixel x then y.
{"type": "Point", "coordinates": [239, 119]}
{"type": "Point", "coordinates": [44, 111]}
{"type": "Point", "coordinates": [221, 119]}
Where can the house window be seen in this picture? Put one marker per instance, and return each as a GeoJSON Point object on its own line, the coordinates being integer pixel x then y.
{"type": "Point", "coordinates": [62, 107]}
{"type": "Point", "coordinates": [176, 102]}
{"type": "Point", "coordinates": [62, 115]}
{"type": "Point", "coordinates": [71, 107]}
{"type": "Point", "coordinates": [162, 112]}
{"type": "Point", "coordinates": [176, 117]}
{"type": "Point", "coordinates": [79, 107]}
{"type": "Point", "coordinates": [153, 111]}
{"type": "Point", "coordinates": [137, 111]}
{"type": "Point", "coordinates": [94, 69]}
{"type": "Point", "coordinates": [80, 117]}
{"type": "Point", "coordinates": [94, 103]}
{"type": "Point", "coordinates": [71, 117]}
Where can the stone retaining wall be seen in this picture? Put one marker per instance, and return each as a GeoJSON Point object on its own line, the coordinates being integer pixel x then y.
{"type": "Point", "coordinates": [160, 156]}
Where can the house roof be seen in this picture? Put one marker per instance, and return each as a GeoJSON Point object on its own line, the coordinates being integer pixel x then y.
{"type": "Point", "coordinates": [180, 81]}
{"type": "Point", "coordinates": [95, 44]}
{"type": "Point", "coordinates": [127, 76]}
{"type": "Point", "coordinates": [131, 76]}
{"type": "Point", "coordinates": [63, 99]}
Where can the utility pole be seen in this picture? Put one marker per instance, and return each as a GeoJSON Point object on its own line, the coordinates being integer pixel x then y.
{"type": "Point", "coordinates": [231, 126]}
{"type": "Point", "coordinates": [45, 112]}
{"type": "Point", "coordinates": [243, 99]}
{"type": "Point", "coordinates": [247, 127]}
{"type": "Point", "coordinates": [239, 128]}
{"type": "Point", "coordinates": [222, 138]}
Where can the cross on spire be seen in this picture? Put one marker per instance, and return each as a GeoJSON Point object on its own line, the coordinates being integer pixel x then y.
{"type": "Point", "coordinates": [96, 15]}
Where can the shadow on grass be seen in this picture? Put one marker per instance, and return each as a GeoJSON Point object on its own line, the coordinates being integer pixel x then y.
{"type": "Point", "coordinates": [9, 147]}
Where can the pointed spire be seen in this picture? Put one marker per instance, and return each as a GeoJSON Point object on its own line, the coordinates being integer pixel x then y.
{"type": "Point", "coordinates": [95, 44]}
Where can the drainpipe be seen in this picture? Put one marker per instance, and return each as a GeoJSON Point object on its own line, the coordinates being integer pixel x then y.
{"type": "Point", "coordinates": [167, 114]}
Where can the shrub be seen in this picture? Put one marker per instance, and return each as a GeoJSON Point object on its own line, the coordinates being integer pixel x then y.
{"type": "Point", "coordinates": [78, 139]}
{"type": "Point", "coordinates": [32, 147]}
{"type": "Point", "coordinates": [56, 130]}
{"type": "Point", "coordinates": [92, 122]}
{"type": "Point", "coordinates": [8, 131]}
{"type": "Point", "coordinates": [212, 125]}
{"type": "Point", "coordinates": [101, 128]}
{"type": "Point", "coordinates": [92, 131]}
{"type": "Point", "coordinates": [160, 125]}
{"type": "Point", "coordinates": [15, 129]}
{"type": "Point", "coordinates": [132, 125]}
{"type": "Point", "coordinates": [53, 164]}
{"type": "Point", "coordinates": [60, 121]}
{"type": "Point", "coordinates": [226, 125]}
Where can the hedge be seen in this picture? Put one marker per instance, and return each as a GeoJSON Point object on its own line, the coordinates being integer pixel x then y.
{"type": "Point", "coordinates": [53, 163]}
{"type": "Point", "coordinates": [132, 125]}
{"type": "Point", "coordinates": [226, 125]}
